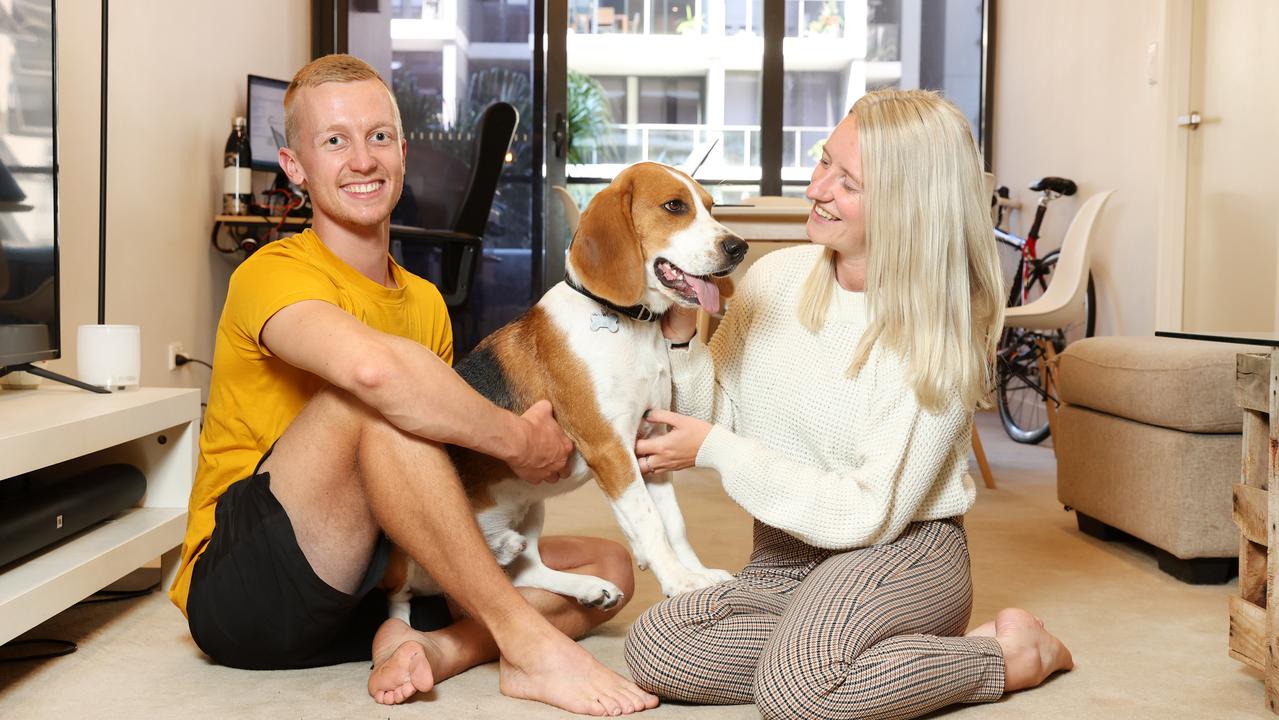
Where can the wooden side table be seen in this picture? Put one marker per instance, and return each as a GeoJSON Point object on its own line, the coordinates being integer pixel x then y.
{"type": "Point", "coordinates": [1254, 620]}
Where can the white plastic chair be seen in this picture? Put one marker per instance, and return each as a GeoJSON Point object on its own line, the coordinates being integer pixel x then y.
{"type": "Point", "coordinates": [572, 215]}
{"type": "Point", "coordinates": [699, 154]}
{"type": "Point", "coordinates": [1063, 301]}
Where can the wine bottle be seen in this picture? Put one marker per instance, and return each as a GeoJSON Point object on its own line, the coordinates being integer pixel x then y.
{"type": "Point", "coordinates": [237, 173]}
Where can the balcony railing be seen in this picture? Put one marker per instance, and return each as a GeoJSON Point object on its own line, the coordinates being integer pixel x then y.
{"type": "Point", "coordinates": [736, 154]}
{"type": "Point", "coordinates": [804, 18]}
{"type": "Point", "coordinates": [655, 17]}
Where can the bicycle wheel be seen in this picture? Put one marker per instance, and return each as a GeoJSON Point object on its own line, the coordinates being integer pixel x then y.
{"type": "Point", "coordinates": [1020, 393]}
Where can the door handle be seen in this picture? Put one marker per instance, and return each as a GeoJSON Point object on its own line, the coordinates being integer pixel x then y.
{"type": "Point", "coordinates": [560, 136]}
{"type": "Point", "coordinates": [1189, 121]}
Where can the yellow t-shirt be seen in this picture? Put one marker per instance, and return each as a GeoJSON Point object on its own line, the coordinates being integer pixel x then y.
{"type": "Point", "coordinates": [255, 395]}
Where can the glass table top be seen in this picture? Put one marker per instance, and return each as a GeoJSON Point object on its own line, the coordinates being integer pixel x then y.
{"type": "Point", "coordinates": [1244, 337]}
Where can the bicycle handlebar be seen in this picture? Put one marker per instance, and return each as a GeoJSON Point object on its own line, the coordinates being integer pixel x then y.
{"type": "Point", "coordinates": [1009, 238]}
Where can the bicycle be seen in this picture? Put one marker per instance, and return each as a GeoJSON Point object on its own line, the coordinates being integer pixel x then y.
{"type": "Point", "coordinates": [1021, 395]}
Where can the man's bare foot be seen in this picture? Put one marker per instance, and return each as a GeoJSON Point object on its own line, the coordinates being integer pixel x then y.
{"type": "Point", "coordinates": [1031, 653]}
{"type": "Point", "coordinates": [562, 674]}
{"type": "Point", "coordinates": [401, 663]}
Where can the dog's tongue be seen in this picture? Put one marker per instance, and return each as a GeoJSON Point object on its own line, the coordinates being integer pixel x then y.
{"type": "Point", "coordinates": [707, 293]}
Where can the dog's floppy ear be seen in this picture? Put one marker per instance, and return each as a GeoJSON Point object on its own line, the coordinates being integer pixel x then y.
{"type": "Point", "coordinates": [606, 251]}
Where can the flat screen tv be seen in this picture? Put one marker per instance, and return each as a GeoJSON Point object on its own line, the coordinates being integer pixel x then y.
{"type": "Point", "coordinates": [29, 323]}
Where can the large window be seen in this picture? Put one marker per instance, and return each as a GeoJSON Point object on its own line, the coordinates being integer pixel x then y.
{"type": "Point", "coordinates": [691, 73]}
{"type": "Point", "coordinates": [614, 88]}
{"type": "Point", "coordinates": [675, 101]}
{"type": "Point", "coordinates": [656, 17]}
{"type": "Point", "coordinates": [678, 17]}
{"type": "Point", "coordinates": [447, 61]}
{"type": "Point", "coordinates": [814, 103]}
{"type": "Point", "coordinates": [745, 18]}
{"type": "Point", "coordinates": [671, 81]}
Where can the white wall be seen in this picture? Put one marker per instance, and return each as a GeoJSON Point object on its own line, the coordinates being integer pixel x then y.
{"type": "Point", "coordinates": [176, 79]}
{"type": "Point", "coordinates": [1072, 98]}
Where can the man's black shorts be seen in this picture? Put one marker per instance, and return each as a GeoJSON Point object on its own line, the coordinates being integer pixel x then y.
{"type": "Point", "coordinates": [255, 602]}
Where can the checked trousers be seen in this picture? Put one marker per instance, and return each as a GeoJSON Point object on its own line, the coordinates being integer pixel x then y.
{"type": "Point", "coordinates": [810, 633]}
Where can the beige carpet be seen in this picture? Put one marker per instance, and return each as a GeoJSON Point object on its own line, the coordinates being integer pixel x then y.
{"type": "Point", "coordinates": [1146, 646]}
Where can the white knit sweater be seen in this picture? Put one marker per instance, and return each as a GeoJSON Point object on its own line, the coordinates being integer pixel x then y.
{"type": "Point", "coordinates": [837, 462]}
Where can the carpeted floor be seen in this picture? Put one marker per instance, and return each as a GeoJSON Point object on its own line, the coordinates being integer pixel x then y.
{"type": "Point", "coordinates": [1146, 645]}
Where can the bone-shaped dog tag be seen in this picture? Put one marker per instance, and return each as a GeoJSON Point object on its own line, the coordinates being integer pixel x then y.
{"type": "Point", "coordinates": [605, 320]}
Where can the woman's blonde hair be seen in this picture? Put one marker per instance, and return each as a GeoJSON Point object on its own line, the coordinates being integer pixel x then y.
{"type": "Point", "coordinates": [933, 286]}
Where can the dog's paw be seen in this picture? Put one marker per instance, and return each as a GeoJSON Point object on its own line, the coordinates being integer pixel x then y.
{"type": "Point", "coordinates": [689, 580]}
{"type": "Point", "coordinates": [718, 576]}
{"type": "Point", "coordinates": [507, 545]}
{"type": "Point", "coordinates": [600, 593]}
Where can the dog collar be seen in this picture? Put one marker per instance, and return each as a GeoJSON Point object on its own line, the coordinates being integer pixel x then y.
{"type": "Point", "coordinates": [635, 312]}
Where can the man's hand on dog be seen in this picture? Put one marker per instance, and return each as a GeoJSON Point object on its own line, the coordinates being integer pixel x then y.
{"type": "Point", "coordinates": [675, 450]}
{"type": "Point", "coordinates": [547, 448]}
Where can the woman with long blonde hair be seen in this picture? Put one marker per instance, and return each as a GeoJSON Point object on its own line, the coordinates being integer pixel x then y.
{"type": "Point", "coordinates": [836, 401]}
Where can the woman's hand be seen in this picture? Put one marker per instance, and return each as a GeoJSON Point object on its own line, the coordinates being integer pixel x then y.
{"type": "Point", "coordinates": [679, 323]}
{"type": "Point", "coordinates": [675, 450]}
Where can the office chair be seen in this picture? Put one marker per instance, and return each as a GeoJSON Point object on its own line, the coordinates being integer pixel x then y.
{"type": "Point", "coordinates": [457, 249]}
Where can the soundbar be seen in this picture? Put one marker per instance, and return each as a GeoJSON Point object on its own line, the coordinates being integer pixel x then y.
{"type": "Point", "coordinates": [47, 514]}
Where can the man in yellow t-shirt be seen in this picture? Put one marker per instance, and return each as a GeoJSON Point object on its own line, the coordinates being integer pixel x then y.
{"type": "Point", "coordinates": [332, 399]}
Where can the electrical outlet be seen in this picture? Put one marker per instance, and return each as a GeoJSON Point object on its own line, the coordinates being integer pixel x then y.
{"type": "Point", "coordinates": [175, 349]}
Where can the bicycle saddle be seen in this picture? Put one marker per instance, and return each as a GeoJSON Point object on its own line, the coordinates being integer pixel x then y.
{"type": "Point", "coordinates": [1056, 184]}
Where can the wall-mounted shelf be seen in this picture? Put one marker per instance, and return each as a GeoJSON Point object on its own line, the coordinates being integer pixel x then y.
{"type": "Point", "coordinates": [251, 223]}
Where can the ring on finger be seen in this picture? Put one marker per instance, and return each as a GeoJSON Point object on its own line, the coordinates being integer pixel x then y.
{"type": "Point", "coordinates": [648, 465]}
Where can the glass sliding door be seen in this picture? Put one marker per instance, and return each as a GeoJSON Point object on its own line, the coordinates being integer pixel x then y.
{"type": "Point", "coordinates": [447, 60]}
{"type": "Point", "coordinates": [678, 78]}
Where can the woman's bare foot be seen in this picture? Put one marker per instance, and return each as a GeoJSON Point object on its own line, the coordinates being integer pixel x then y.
{"type": "Point", "coordinates": [1031, 653]}
{"type": "Point", "coordinates": [402, 663]}
{"type": "Point", "coordinates": [986, 629]}
{"type": "Point", "coordinates": [562, 674]}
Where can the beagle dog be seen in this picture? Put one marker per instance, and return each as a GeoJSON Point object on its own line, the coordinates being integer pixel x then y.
{"type": "Point", "coordinates": [593, 346]}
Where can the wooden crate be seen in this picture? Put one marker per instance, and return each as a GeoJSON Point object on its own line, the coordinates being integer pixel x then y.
{"type": "Point", "coordinates": [1254, 619]}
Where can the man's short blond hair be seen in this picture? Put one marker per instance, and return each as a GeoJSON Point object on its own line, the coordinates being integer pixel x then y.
{"type": "Point", "coordinates": [331, 68]}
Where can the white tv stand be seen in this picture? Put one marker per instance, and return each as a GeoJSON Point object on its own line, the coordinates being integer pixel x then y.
{"type": "Point", "coordinates": [153, 429]}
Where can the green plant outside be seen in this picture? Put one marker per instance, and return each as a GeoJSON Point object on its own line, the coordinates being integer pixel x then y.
{"type": "Point", "coordinates": [589, 115]}
{"type": "Point", "coordinates": [589, 119]}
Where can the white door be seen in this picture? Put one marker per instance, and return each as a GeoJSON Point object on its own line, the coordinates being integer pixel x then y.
{"type": "Point", "coordinates": [1232, 196]}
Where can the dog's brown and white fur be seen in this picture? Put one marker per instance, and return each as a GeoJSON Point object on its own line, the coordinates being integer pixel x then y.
{"type": "Point", "coordinates": [647, 239]}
